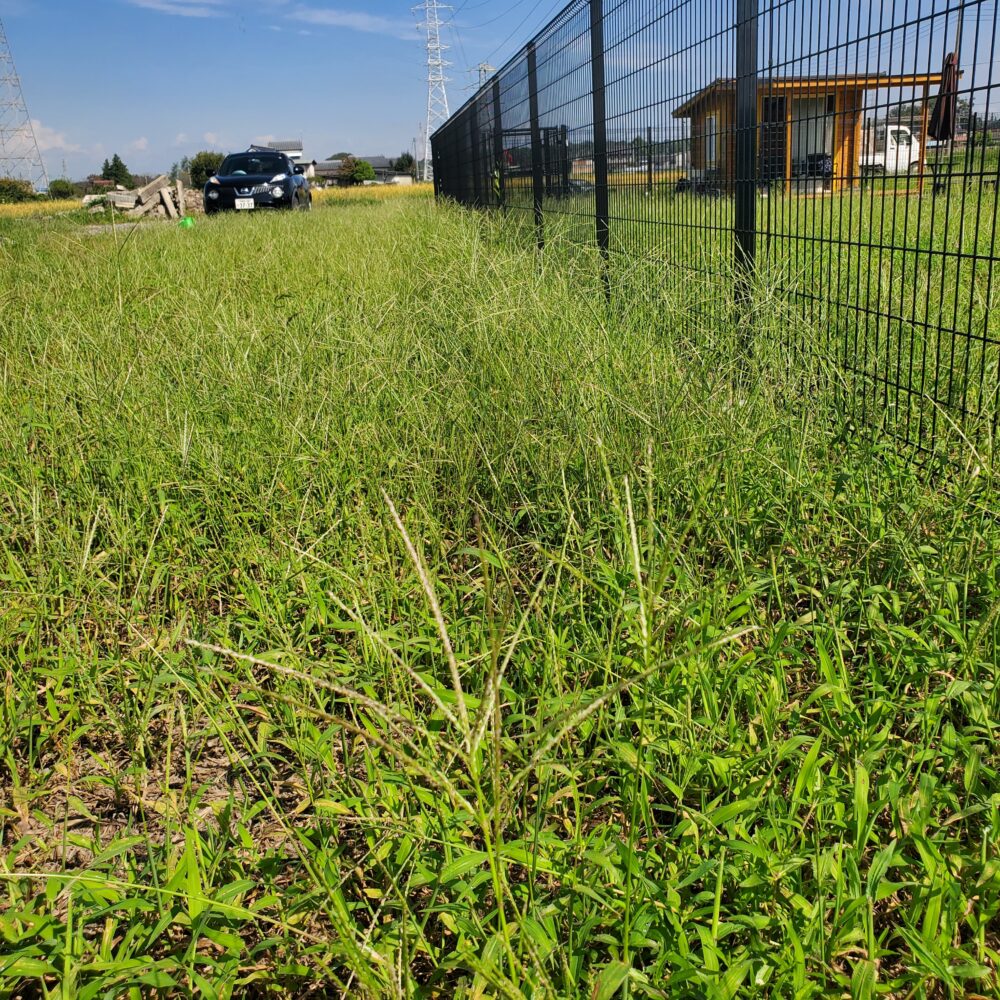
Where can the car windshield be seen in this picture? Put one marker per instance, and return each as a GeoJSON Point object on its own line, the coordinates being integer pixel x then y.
{"type": "Point", "coordinates": [252, 164]}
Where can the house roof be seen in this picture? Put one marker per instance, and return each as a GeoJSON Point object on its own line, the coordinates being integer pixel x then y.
{"type": "Point", "coordinates": [286, 145]}
{"type": "Point", "coordinates": [812, 84]}
{"type": "Point", "coordinates": [332, 166]}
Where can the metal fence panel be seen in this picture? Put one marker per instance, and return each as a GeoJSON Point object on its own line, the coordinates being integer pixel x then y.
{"type": "Point", "coordinates": [844, 155]}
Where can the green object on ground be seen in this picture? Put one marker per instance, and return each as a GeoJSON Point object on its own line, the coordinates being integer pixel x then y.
{"type": "Point", "coordinates": [186, 223]}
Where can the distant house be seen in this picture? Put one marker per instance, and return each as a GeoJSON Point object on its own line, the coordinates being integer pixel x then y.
{"type": "Point", "coordinates": [810, 127]}
{"type": "Point", "coordinates": [328, 170]}
{"type": "Point", "coordinates": [385, 172]}
{"type": "Point", "coordinates": [294, 149]}
{"type": "Point", "coordinates": [382, 166]}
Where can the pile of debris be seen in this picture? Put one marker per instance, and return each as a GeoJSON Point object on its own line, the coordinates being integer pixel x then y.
{"type": "Point", "coordinates": [158, 199]}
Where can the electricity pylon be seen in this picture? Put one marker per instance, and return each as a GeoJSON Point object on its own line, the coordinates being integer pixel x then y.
{"type": "Point", "coordinates": [437, 92]}
{"type": "Point", "coordinates": [20, 156]}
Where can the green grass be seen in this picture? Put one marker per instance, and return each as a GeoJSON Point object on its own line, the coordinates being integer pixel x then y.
{"type": "Point", "coordinates": [385, 616]}
{"type": "Point", "coordinates": [897, 291]}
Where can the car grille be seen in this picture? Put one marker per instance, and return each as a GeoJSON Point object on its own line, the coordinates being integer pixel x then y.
{"type": "Point", "coordinates": [259, 189]}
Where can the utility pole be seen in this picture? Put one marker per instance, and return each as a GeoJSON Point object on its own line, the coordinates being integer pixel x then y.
{"type": "Point", "coordinates": [437, 93]}
{"type": "Point", "coordinates": [20, 156]}
{"type": "Point", "coordinates": [485, 71]}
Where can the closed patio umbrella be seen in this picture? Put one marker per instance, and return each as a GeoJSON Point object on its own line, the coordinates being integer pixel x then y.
{"type": "Point", "coordinates": [945, 117]}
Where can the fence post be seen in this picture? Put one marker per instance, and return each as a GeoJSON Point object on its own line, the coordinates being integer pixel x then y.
{"type": "Point", "coordinates": [537, 176]}
{"type": "Point", "coordinates": [745, 229]}
{"type": "Point", "coordinates": [601, 203]}
{"type": "Point", "coordinates": [746, 140]}
{"type": "Point", "coordinates": [649, 159]}
{"type": "Point", "coordinates": [474, 156]}
{"type": "Point", "coordinates": [565, 170]}
{"type": "Point", "coordinates": [499, 188]}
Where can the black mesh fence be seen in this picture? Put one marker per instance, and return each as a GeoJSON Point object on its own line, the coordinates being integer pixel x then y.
{"type": "Point", "coordinates": [845, 156]}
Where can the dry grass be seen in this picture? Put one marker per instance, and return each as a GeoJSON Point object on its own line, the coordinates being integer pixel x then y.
{"type": "Point", "coordinates": [374, 192]}
{"type": "Point", "coordinates": [29, 209]}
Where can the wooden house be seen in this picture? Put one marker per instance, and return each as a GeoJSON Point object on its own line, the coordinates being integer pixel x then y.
{"type": "Point", "coordinates": [809, 127]}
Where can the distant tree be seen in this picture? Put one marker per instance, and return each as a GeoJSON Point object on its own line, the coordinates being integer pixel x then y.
{"type": "Point", "coordinates": [61, 189]}
{"type": "Point", "coordinates": [341, 156]}
{"type": "Point", "coordinates": [964, 113]}
{"type": "Point", "coordinates": [13, 190]}
{"type": "Point", "coordinates": [181, 171]}
{"type": "Point", "coordinates": [117, 172]}
{"type": "Point", "coordinates": [905, 114]}
{"type": "Point", "coordinates": [345, 172]}
{"type": "Point", "coordinates": [363, 171]}
{"type": "Point", "coordinates": [405, 164]}
{"type": "Point", "coordinates": [202, 166]}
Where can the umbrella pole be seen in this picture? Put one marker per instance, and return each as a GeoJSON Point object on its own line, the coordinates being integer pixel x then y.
{"type": "Point", "coordinates": [958, 78]}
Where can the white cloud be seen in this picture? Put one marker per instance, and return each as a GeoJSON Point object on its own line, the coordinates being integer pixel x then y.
{"type": "Point", "coordinates": [140, 145]}
{"type": "Point", "coordinates": [180, 139]}
{"type": "Point", "coordinates": [51, 141]}
{"type": "Point", "coordinates": [182, 8]}
{"type": "Point", "coordinates": [331, 17]}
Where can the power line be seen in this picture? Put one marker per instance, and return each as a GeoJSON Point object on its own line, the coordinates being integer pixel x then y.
{"type": "Point", "coordinates": [499, 17]}
{"type": "Point", "coordinates": [545, 20]}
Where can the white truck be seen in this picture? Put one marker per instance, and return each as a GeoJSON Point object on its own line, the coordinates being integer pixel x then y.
{"type": "Point", "coordinates": [890, 149]}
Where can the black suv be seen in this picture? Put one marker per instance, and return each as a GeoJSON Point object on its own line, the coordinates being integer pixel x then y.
{"type": "Point", "coordinates": [258, 178]}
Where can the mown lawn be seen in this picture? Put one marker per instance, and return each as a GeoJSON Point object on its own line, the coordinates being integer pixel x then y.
{"type": "Point", "coordinates": [383, 615]}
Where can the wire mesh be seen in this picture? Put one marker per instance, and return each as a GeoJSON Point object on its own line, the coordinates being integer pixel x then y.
{"type": "Point", "coordinates": [843, 156]}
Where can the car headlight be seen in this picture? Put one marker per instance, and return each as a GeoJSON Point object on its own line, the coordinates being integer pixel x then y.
{"type": "Point", "coordinates": [278, 191]}
{"type": "Point", "coordinates": [214, 195]}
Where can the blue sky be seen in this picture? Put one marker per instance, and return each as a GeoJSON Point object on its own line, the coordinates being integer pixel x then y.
{"type": "Point", "coordinates": [157, 79]}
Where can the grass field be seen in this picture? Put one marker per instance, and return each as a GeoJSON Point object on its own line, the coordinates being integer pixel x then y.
{"type": "Point", "coordinates": [385, 615]}
{"type": "Point", "coordinates": [370, 194]}
{"type": "Point", "coordinates": [362, 195]}
{"type": "Point", "coordinates": [38, 207]}
{"type": "Point", "coordinates": [898, 291]}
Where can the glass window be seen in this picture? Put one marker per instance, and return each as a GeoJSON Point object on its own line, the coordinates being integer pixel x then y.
{"type": "Point", "coordinates": [252, 164]}
{"type": "Point", "coordinates": [711, 140]}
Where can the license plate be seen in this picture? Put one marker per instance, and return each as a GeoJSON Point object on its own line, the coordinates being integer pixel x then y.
{"type": "Point", "coordinates": [245, 205]}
